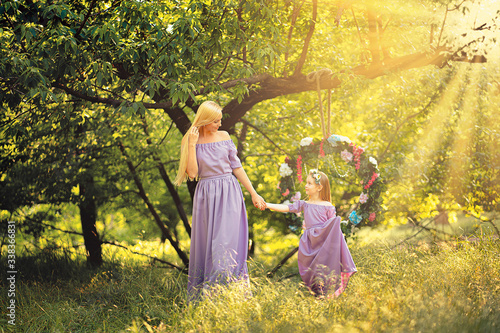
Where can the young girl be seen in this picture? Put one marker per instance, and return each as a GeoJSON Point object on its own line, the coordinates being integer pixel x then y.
{"type": "Point", "coordinates": [325, 263]}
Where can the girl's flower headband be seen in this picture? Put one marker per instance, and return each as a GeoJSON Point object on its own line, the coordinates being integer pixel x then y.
{"type": "Point", "coordinates": [316, 175]}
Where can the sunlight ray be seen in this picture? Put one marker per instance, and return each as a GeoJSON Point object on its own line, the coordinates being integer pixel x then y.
{"type": "Point", "coordinates": [464, 135]}
{"type": "Point", "coordinates": [431, 136]}
{"type": "Point", "coordinates": [492, 99]}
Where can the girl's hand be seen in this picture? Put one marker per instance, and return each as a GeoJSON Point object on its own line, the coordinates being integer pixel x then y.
{"type": "Point", "coordinates": [193, 135]}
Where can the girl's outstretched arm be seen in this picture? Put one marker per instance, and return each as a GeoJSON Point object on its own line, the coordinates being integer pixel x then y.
{"type": "Point", "coordinates": [278, 207]}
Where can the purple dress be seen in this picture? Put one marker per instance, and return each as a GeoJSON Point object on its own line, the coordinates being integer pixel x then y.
{"type": "Point", "coordinates": [325, 263]}
{"type": "Point", "coordinates": [219, 236]}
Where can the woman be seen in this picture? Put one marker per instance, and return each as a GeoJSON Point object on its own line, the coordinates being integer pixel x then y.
{"type": "Point", "coordinates": [219, 236]}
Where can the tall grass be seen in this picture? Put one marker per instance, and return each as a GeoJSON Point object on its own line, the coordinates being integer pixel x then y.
{"type": "Point", "coordinates": [426, 286]}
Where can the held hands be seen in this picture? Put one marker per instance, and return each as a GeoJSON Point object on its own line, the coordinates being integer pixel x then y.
{"type": "Point", "coordinates": [258, 202]}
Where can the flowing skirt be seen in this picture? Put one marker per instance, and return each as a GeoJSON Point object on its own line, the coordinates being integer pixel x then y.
{"type": "Point", "coordinates": [325, 263]}
{"type": "Point", "coordinates": [219, 235]}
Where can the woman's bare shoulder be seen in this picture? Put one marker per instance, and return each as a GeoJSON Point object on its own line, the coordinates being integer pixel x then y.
{"type": "Point", "coordinates": [223, 135]}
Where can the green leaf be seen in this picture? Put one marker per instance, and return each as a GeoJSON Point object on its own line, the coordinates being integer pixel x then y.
{"type": "Point", "coordinates": [99, 78]}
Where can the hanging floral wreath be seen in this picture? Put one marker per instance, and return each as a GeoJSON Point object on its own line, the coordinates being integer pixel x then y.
{"type": "Point", "coordinates": [367, 210]}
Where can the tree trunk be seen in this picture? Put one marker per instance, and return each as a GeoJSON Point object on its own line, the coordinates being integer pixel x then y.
{"type": "Point", "coordinates": [88, 216]}
{"type": "Point", "coordinates": [191, 185]}
{"type": "Point", "coordinates": [251, 240]}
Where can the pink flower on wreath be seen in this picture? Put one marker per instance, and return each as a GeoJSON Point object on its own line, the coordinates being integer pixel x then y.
{"type": "Point", "coordinates": [363, 197]}
{"type": "Point", "coordinates": [287, 192]}
{"type": "Point", "coordinates": [321, 151]}
{"type": "Point", "coordinates": [299, 168]}
{"type": "Point", "coordinates": [346, 156]}
{"type": "Point", "coordinates": [370, 182]}
{"type": "Point", "coordinates": [372, 217]}
{"type": "Point", "coordinates": [357, 151]}
{"type": "Point", "coordinates": [296, 197]}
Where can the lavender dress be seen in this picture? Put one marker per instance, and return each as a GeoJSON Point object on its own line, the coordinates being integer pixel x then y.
{"type": "Point", "coordinates": [219, 236]}
{"type": "Point", "coordinates": [325, 263]}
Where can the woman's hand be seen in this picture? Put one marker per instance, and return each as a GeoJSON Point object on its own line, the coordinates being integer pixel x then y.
{"type": "Point", "coordinates": [258, 202]}
{"type": "Point", "coordinates": [193, 136]}
{"type": "Point", "coordinates": [192, 164]}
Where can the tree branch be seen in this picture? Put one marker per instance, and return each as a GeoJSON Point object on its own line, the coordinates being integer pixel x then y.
{"type": "Point", "coordinates": [164, 175]}
{"type": "Point", "coordinates": [273, 87]}
{"type": "Point", "coordinates": [270, 87]}
{"type": "Point", "coordinates": [92, 4]}
{"type": "Point", "coordinates": [183, 270]}
{"type": "Point", "coordinates": [108, 101]}
{"type": "Point", "coordinates": [142, 194]}
{"type": "Point", "coordinates": [282, 262]}
{"type": "Point", "coordinates": [293, 21]}
{"type": "Point", "coordinates": [436, 94]}
{"type": "Point", "coordinates": [307, 40]}
{"type": "Point", "coordinates": [159, 105]}
{"type": "Point", "coordinates": [373, 46]}
{"type": "Point", "coordinates": [245, 122]}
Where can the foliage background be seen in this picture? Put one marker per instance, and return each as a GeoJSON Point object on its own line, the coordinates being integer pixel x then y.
{"type": "Point", "coordinates": [96, 96]}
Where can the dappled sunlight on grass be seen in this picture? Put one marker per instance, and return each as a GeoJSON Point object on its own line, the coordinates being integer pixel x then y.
{"type": "Point", "coordinates": [418, 285]}
{"type": "Point", "coordinates": [464, 227]}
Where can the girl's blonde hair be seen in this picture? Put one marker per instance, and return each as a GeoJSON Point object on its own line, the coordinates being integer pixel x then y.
{"type": "Point", "coordinates": [207, 113]}
{"type": "Point", "coordinates": [323, 181]}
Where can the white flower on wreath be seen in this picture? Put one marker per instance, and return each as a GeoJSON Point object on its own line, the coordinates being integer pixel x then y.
{"type": "Point", "coordinates": [373, 161]}
{"type": "Point", "coordinates": [345, 139]}
{"type": "Point", "coordinates": [306, 141]}
{"type": "Point", "coordinates": [285, 170]}
{"type": "Point", "coordinates": [334, 138]}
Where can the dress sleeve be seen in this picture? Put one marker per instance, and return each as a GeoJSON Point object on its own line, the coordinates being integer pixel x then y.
{"type": "Point", "coordinates": [234, 160]}
{"type": "Point", "coordinates": [331, 213]}
{"type": "Point", "coordinates": [296, 207]}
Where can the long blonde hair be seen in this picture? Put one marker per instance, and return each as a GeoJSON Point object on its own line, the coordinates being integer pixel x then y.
{"type": "Point", "coordinates": [207, 113]}
{"type": "Point", "coordinates": [325, 194]}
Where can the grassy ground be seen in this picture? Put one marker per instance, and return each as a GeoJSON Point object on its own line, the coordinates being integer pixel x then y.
{"type": "Point", "coordinates": [420, 285]}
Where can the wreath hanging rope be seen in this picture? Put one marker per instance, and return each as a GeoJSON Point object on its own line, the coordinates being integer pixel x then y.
{"type": "Point", "coordinates": [366, 210]}
{"type": "Point", "coordinates": [316, 76]}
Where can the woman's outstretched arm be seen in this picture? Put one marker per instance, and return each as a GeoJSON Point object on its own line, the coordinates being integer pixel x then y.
{"type": "Point", "coordinates": [243, 178]}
